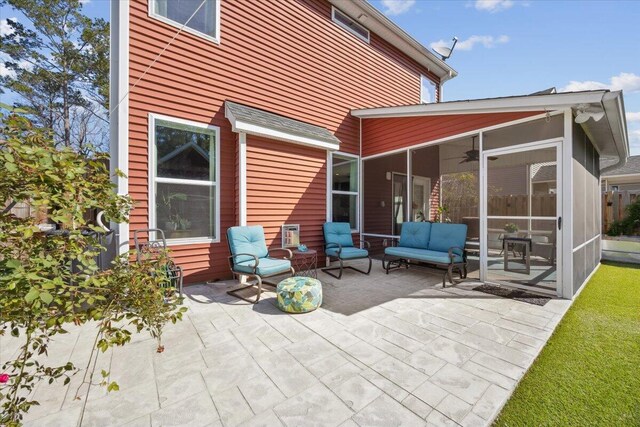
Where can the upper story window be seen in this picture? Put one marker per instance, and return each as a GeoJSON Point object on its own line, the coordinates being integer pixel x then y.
{"type": "Point", "coordinates": [349, 24]}
{"type": "Point", "coordinates": [204, 14]}
{"type": "Point", "coordinates": [344, 189]}
{"type": "Point", "coordinates": [427, 90]}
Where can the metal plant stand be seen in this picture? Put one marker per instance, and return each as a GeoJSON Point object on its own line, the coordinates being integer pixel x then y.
{"type": "Point", "coordinates": [305, 263]}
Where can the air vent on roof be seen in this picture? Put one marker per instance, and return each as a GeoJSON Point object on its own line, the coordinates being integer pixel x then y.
{"type": "Point", "coordinates": [349, 24]}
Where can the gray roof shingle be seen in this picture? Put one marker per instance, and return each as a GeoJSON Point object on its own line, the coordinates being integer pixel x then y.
{"type": "Point", "coordinates": [631, 167]}
{"type": "Point", "coordinates": [263, 118]}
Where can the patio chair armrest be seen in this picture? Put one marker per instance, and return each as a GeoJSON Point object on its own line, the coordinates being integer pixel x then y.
{"type": "Point", "coordinates": [462, 253]}
{"type": "Point", "coordinates": [333, 245]}
{"type": "Point", "coordinates": [255, 258]}
{"type": "Point", "coordinates": [288, 251]}
{"type": "Point", "coordinates": [367, 245]}
{"type": "Point", "coordinates": [392, 240]}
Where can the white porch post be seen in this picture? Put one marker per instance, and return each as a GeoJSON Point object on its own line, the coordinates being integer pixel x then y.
{"type": "Point", "coordinates": [119, 116]}
{"type": "Point", "coordinates": [566, 255]}
{"type": "Point", "coordinates": [482, 182]}
{"type": "Point", "coordinates": [242, 178]}
{"type": "Point", "coordinates": [409, 189]}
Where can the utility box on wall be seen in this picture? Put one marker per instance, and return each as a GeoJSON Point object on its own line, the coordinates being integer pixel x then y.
{"type": "Point", "coordinates": [290, 235]}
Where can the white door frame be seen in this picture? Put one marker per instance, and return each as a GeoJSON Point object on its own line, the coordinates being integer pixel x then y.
{"type": "Point", "coordinates": [426, 182]}
{"type": "Point", "coordinates": [531, 146]}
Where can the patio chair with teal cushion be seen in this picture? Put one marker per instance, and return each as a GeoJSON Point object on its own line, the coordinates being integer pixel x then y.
{"type": "Point", "coordinates": [250, 257]}
{"type": "Point", "coordinates": [338, 245]}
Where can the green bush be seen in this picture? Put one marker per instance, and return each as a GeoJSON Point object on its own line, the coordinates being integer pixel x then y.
{"type": "Point", "coordinates": [49, 281]}
{"type": "Point", "coordinates": [630, 225]}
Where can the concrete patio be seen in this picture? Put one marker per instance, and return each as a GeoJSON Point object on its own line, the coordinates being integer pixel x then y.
{"type": "Point", "coordinates": [382, 351]}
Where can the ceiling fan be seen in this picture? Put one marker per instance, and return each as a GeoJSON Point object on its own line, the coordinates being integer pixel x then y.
{"type": "Point", "coordinates": [472, 155]}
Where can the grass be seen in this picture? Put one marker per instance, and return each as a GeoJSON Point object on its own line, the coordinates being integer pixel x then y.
{"type": "Point", "coordinates": [588, 374]}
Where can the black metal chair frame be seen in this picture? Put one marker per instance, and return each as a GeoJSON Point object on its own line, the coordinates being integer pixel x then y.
{"type": "Point", "coordinates": [341, 267]}
{"type": "Point", "coordinates": [175, 272]}
{"type": "Point", "coordinates": [254, 275]}
{"type": "Point", "coordinates": [395, 262]}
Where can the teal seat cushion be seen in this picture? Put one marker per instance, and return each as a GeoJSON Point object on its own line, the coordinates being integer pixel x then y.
{"type": "Point", "coordinates": [247, 240]}
{"type": "Point", "coordinates": [348, 253]}
{"type": "Point", "coordinates": [424, 255]}
{"type": "Point", "coordinates": [445, 236]}
{"type": "Point", "coordinates": [266, 266]}
{"type": "Point", "coordinates": [338, 232]}
{"type": "Point", "coordinates": [415, 235]}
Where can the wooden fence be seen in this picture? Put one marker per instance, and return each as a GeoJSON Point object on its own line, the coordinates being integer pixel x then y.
{"type": "Point", "coordinates": [614, 205]}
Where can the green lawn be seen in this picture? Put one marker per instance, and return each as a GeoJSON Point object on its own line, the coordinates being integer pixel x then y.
{"type": "Point", "coordinates": [589, 372]}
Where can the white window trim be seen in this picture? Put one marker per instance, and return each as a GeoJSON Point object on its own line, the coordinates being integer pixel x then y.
{"type": "Point", "coordinates": [331, 191]}
{"type": "Point", "coordinates": [215, 39]}
{"type": "Point", "coordinates": [343, 26]}
{"type": "Point", "coordinates": [153, 179]}
{"type": "Point", "coordinates": [435, 89]}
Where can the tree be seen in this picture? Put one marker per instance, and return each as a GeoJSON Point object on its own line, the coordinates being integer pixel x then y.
{"type": "Point", "coordinates": [60, 70]}
{"type": "Point", "coordinates": [48, 280]}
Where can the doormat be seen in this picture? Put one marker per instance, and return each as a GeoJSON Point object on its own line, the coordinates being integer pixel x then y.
{"type": "Point", "coordinates": [516, 294]}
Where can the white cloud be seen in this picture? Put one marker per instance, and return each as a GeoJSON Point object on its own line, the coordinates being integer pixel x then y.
{"type": "Point", "coordinates": [468, 44]}
{"type": "Point", "coordinates": [397, 7]}
{"type": "Point", "coordinates": [628, 82]}
{"type": "Point", "coordinates": [5, 28]}
{"type": "Point", "coordinates": [493, 5]}
{"type": "Point", "coordinates": [633, 117]}
{"type": "Point", "coordinates": [634, 142]}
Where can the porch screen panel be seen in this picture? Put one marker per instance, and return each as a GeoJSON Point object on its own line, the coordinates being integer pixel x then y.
{"type": "Point", "coordinates": [384, 192]}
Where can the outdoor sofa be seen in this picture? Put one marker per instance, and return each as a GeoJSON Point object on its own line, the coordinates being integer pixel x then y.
{"type": "Point", "coordinates": [435, 244]}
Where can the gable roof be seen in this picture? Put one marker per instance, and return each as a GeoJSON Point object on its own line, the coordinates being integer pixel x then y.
{"type": "Point", "coordinates": [632, 167]}
{"type": "Point", "coordinates": [255, 121]}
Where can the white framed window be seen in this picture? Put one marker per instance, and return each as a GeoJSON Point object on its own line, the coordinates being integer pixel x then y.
{"type": "Point", "coordinates": [184, 176]}
{"type": "Point", "coordinates": [205, 21]}
{"type": "Point", "coordinates": [427, 90]}
{"type": "Point", "coordinates": [349, 24]}
{"type": "Point", "coordinates": [345, 180]}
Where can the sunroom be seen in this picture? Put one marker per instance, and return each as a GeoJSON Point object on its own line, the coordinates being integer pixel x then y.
{"type": "Point", "coordinates": [522, 172]}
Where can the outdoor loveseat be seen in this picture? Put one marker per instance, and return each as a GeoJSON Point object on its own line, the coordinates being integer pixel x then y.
{"type": "Point", "coordinates": [436, 244]}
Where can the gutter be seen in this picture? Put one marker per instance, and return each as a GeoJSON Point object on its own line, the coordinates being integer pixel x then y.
{"type": "Point", "coordinates": [613, 106]}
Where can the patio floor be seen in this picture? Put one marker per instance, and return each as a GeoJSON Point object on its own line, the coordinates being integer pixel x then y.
{"type": "Point", "coordinates": [381, 351]}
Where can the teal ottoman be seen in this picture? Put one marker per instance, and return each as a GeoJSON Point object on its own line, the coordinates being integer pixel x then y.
{"type": "Point", "coordinates": [299, 294]}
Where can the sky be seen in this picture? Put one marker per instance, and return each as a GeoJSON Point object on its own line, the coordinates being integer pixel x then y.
{"type": "Point", "coordinates": [510, 47]}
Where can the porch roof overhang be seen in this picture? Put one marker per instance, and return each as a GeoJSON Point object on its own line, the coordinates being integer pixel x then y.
{"type": "Point", "coordinates": [254, 121]}
{"type": "Point", "coordinates": [609, 135]}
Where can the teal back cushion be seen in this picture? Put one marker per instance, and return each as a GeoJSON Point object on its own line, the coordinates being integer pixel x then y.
{"type": "Point", "coordinates": [247, 240]}
{"type": "Point", "coordinates": [338, 232]}
{"type": "Point", "coordinates": [444, 236]}
{"type": "Point", "coordinates": [415, 235]}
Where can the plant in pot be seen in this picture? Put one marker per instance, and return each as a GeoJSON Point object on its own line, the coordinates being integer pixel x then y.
{"type": "Point", "coordinates": [168, 211]}
{"type": "Point", "coordinates": [183, 227]}
{"type": "Point", "coordinates": [511, 230]}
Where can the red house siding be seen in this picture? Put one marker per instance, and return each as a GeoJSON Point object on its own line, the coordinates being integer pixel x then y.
{"type": "Point", "coordinates": [386, 134]}
{"type": "Point", "coordinates": [286, 184]}
{"type": "Point", "coordinates": [286, 57]}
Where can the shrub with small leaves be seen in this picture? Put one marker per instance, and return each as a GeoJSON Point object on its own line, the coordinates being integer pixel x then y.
{"type": "Point", "coordinates": [49, 281]}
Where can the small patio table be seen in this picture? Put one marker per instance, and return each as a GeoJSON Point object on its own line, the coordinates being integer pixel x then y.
{"type": "Point", "coordinates": [305, 263]}
{"type": "Point", "coordinates": [509, 243]}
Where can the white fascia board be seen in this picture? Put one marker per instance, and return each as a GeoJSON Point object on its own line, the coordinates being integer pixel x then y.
{"type": "Point", "coordinates": [496, 105]}
{"type": "Point", "coordinates": [252, 129]}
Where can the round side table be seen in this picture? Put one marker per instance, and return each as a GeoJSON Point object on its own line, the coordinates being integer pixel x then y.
{"type": "Point", "coordinates": [305, 263]}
